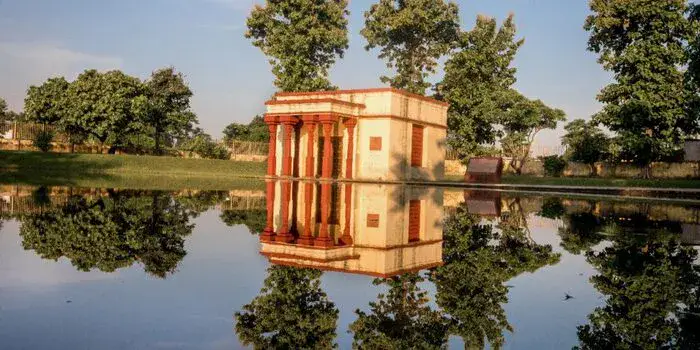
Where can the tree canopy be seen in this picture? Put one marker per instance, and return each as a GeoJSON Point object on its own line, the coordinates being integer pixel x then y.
{"type": "Point", "coordinates": [255, 131]}
{"type": "Point", "coordinates": [411, 36]}
{"type": "Point", "coordinates": [111, 232]}
{"type": "Point", "coordinates": [302, 39]}
{"type": "Point", "coordinates": [643, 45]}
{"type": "Point", "coordinates": [168, 112]}
{"type": "Point", "coordinates": [585, 142]}
{"type": "Point", "coordinates": [475, 75]}
{"type": "Point", "coordinates": [291, 311]}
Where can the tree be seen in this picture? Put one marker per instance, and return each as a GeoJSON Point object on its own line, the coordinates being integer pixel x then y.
{"type": "Point", "coordinates": [254, 220]}
{"type": "Point", "coordinates": [642, 44]}
{"type": "Point", "coordinates": [3, 108]}
{"type": "Point", "coordinates": [412, 35]}
{"type": "Point", "coordinates": [168, 112]}
{"type": "Point", "coordinates": [522, 121]}
{"type": "Point", "coordinates": [400, 319]}
{"type": "Point", "coordinates": [302, 39]}
{"type": "Point", "coordinates": [649, 282]}
{"type": "Point", "coordinates": [585, 143]}
{"type": "Point", "coordinates": [46, 103]}
{"type": "Point", "coordinates": [291, 311]}
{"type": "Point", "coordinates": [255, 131]}
{"type": "Point", "coordinates": [111, 232]}
{"type": "Point", "coordinates": [106, 106]}
{"type": "Point", "coordinates": [474, 76]}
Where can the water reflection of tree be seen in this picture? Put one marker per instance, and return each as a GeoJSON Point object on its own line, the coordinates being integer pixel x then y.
{"type": "Point", "coordinates": [651, 283]}
{"type": "Point", "coordinates": [111, 232]}
{"type": "Point", "coordinates": [254, 220]}
{"type": "Point", "coordinates": [478, 261]}
{"type": "Point", "coordinates": [291, 311]}
{"type": "Point", "coordinates": [400, 319]}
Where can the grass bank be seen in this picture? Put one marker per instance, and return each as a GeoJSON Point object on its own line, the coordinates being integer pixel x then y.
{"type": "Point", "coordinates": [594, 181]}
{"type": "Point", "coordinates": [127, 171]}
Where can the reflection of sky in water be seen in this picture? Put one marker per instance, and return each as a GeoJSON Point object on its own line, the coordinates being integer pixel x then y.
{"type": "Point", "coordinates": [223, 270]}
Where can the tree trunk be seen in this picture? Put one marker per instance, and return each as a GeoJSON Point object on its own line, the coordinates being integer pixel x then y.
{"type": "Point", "coordinates": [646, 171]}
{"type": "Point", "coordinates": [112, 150]}
{"type": "Point", "coordinates": [157, 137]}
{"type": "Point", "coordinates": [594, 170]}
{"type": "Point", "coordinates": [72, 147]}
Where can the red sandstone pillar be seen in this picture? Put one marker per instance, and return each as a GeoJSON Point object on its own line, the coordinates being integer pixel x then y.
{"type": "Point", "coordinates": [284, 235]}
{"type": "Point", "coordinates": [346, 238]}
{"type": "Point", "coordinates": [350, 125]}
{"type": "Point", "coordinates": [307, 237]}
{"type": "Point", "coordinates": [272, 122]}
{"type": "Point", "coordinates": [324, 239]}
{"type": "Point", "coordinates": [327, 150]}
{"type": "Point", "coordinates": [288, 123]}
{"type": "Point", "coordinates": [268, 234]}
{"type": "Point", "coordinates": [310, 122]}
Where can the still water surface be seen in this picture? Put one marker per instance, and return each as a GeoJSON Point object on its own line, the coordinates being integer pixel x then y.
{"type": "Point", "coordinates": [416, 268]}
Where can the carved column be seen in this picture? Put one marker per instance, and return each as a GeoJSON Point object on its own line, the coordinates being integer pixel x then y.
{"type": "Point", "coordinates": [310, 123]}
{"type": "Point", "coordinates": [272, 122]}
{"type": "Point", "coordinates": [324, 239]}
{"type": "Point", "coordinates": [268, 234]}
{"type": "Point", "coordinates": [346, 238]}
{"type": "Point", "coordinates": [307, 237]}
{"type": "Point", "coordinates": [288, 123]}
{"type": "Point", "coordinates": [284, 235]}
{"type": "Point", "coordinates": [350, 125]}
{"type": "Point", "coordinates": [326, 172]}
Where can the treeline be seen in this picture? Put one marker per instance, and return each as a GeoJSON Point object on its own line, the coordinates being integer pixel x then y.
{"type": "Point", "coordinates": [651, 47]}
{"type": "Point", "coordinates": [128, 114]}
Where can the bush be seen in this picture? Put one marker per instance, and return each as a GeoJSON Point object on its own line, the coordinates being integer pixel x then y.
{"type": "Point", "coordinates": [43, 139]}
{"type": "Point", "coordinates": [553, 165]}
{"type": "Point", "coordinates": [205, 147]}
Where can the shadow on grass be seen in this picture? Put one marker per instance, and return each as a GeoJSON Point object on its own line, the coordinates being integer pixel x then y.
{"type": "Point", "coordinates": [34, 168]}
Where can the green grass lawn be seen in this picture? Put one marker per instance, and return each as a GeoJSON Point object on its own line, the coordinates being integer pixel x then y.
{"type": "Point", "coordinates": [127, 171]}
{"type": "Point", "coordinates": [595, 182]}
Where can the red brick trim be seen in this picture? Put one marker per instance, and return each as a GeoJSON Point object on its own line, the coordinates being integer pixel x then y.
{"type": "Point", "coordinates": [366, 273]}
{"type": "Point", "coordinates": [400, 246]}
{"type": "Point", "coordinates": [273, 255]}
{"type": "Point", "coordinates": [360, 91]}
{"type": "Point", "coordinates": [314, 100]}
{"type": "Point", "coordinates": [413, 121]}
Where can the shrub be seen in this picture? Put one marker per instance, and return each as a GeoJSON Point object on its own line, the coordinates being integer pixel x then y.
{"type": "Point", "coordinates": [205, 147]}
{"type": "Point", "coordinates": [553, 165]}
{"type": "Point", "coordinates": [43, 139]}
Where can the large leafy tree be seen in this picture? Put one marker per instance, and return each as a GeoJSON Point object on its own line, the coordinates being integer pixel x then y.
{"type": "Point", "coordinates": [48, 103]}
{"type": "Point", "coordinates": [522, 120]}
{"type": "Point", "coordinates": [472, 248]}
{"type": "Point", "coordinates": [255, 131]}
{"type": "Point", "coordinates": [107, 106]}
{"type": "Point", "coordinates": [254, 220]}
{"type": "Point", "coordinates": [650, 282]}
{"type": "Point", "coordinates": [585, 143]}
{"type": "Point", "coordinates": [642, 44]}
{"type": "Point", "coordinates": [111, 232]}
{"type": "Point", "coordinates": [3, 108]}
{"type": "Point", "coordinates": [168, 112]}
{"type": "Point", "coordinates": [302, 38]}
{"type": "Point", "coordinates": [400, 319]}
{"type": "Point", "coordinates": [475, 75]}
{"type": "Point", "coordinates": [412, 35]}
{"type": "Point", "coordinates": [291, 311]}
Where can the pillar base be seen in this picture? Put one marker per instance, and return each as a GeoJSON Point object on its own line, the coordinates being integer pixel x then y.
{"type": "Point", "coordinates": [267, 236]}
{"type": "Point", "coordinates": [285, 237]}
{"type": "Point", "coordinates": [305, 241]}
{"type": "Point", "coordinates": [324, 242]}
{"type": "Point", "coordinates": [345, 240]}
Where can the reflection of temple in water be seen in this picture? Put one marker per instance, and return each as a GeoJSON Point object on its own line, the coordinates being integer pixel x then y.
{"type": "Point", "coordinates": [377, 230]}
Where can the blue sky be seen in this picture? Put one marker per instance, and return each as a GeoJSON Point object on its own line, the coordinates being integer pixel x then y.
{"type": "Point", "coordinates": [231, 78]}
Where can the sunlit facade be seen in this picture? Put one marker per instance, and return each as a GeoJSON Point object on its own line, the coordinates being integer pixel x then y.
{"type": "Point", "coordinates": [373, 134]}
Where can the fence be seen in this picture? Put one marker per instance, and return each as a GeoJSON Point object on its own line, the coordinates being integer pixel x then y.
{"type": "Point", "coordinates": [29, 131]}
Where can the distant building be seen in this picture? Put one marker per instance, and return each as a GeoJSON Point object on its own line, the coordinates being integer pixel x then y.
{"type": "Point", "coordinates": [373, 134]}
{"type": "Point", "coordinates": [691, 149]}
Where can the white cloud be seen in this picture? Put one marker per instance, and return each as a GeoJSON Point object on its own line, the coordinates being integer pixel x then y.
{"type": "Point", "coordinates": [24, 64]}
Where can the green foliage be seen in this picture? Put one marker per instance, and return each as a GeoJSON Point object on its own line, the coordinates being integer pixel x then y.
{"type": "Point", "coordinates": [474, 305]}
{"type": "Point", "coordinates": [255, 131]}
{"type": "Point", "coordinates": [168, 106]}
{"type": "Point", "coordinates": [302, 39]}
{"type": "Point", "coordinates": [43, 139]}
{"type": "Point", "coordinates": [108, 233]}
{"type": "Point", "coordinates": [585, 142]}
{"type": "Point", "coordinates": [291, 311]}
{"type": "Point", "coordinates": [522, 121]}
{"type": "Point", "coordinates": [400, 319]}
{"type": "Point", "coordinates": [47, 103]}
{"type": "Point", "coordinates": [554, 165]}
{"type": "Point", "coordinates": [254, 220]}
{"type": "Point", "coordinates": [3, 109]}
{"type": "Point", "coordinates": [105, 105]}
{"type": "Point", "coordinates": [412, 35]}
{"type": "Point", "coordinates": [649, 281]}
{"type": "Point", "coordinates": [552, 208]}
{"type": "Point", "coordinates": [475, 77]}
{"type": "Point", "coordinates": [642, 44]}
{"type": "Point", "coordinates": [203, 145]}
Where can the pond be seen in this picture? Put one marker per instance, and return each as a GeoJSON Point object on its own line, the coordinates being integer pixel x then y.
{"type": "Point", "coordinates": [308, 265]}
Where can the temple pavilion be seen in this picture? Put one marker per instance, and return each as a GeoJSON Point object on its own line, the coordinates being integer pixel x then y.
{"type": "Point", "coordinates": [380, 134]}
